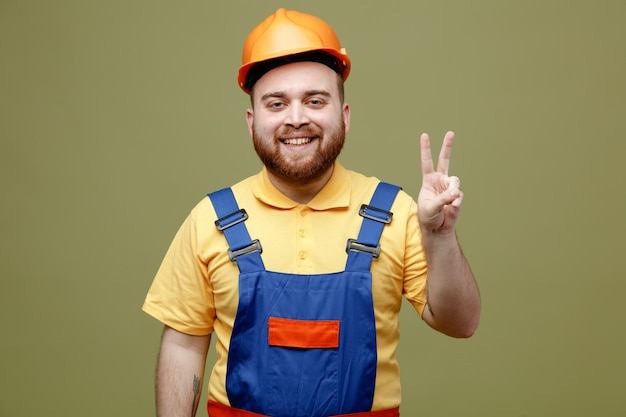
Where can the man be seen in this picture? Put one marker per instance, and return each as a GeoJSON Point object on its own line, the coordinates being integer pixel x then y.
{"type": "Point", "coordinates": [300, 270]}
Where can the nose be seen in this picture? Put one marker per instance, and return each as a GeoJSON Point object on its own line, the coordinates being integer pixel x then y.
{"type": "Point", "coordinates": [297, 116]}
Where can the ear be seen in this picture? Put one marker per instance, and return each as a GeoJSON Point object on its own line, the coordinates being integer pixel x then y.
{"type": "Point", "coordinates": [346, 116]}
{"type": "Point", "coordinates": [250, 120]}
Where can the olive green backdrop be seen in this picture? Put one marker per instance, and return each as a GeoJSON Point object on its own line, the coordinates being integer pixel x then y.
{"type": "Point", "coordinates": [116, 117]}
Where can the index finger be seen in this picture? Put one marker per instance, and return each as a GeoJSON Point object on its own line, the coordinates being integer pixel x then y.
{"type": "Point", "coordinates": [443, 165]}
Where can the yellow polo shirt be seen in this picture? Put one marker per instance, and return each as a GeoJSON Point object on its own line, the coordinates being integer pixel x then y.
{"type": "Point", "coordinates": [195, 290]}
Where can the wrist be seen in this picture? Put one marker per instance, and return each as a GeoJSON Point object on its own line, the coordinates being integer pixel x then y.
{"type": "Point", "coordinates": [439, 242]}
{"type": "Point", "coordinates": [438, 234]}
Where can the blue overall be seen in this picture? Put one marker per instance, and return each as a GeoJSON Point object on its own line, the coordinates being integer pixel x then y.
{"type": "Point", "coordinates": [303, 345]}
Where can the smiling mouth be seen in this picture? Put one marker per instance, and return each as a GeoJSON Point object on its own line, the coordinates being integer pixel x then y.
{"type": "Point", "coordinates": [297, 141]}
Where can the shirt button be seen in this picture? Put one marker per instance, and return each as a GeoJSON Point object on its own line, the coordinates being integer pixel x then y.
{"type": "Point", "coordinates": [302, 255]}
{"type": "Point", "coordinates": [301, 233]}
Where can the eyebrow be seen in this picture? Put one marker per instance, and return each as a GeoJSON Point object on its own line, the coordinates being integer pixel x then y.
{"type": "Point", "coordinates": [308, 93]}
{"type": "Point", "coordinates": [317, 93]}
{"type": "Point", "coordinates": [272, 95]}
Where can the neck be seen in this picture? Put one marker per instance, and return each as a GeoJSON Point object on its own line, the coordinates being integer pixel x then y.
{"type": "Point", "coordinates": [303, 192]}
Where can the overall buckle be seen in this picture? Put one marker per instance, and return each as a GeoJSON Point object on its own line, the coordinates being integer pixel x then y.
{"type": "Point", "coordinates": [361, 247]}
{"type": "Point", "coordinates": [374, 213]}
{"type": "Point", "coordinates": [255, 246]}
{"type": "Point", "coordinates": [231, 219]}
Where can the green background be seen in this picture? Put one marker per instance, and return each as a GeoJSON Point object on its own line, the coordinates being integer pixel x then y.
{"type": "Point", "coordinates": [116, 117]}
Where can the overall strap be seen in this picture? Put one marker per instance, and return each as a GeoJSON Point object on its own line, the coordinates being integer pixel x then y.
{"type": "Point", "coordinates": [242, 249]}
{"type": "Point", "coordinates": [375, 215]}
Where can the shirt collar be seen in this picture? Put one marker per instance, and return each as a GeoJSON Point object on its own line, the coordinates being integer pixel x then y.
{"type": "Point", "coordinates": [335, 194]}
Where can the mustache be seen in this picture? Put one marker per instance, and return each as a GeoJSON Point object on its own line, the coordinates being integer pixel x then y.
{"type": "Point", "coordinates": [303, 131]}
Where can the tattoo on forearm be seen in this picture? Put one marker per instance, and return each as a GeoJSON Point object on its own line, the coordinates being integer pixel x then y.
{"type": "Point", "coordinates": [428, 301]}
{"type": "Point", "coordinates": [197, 389]}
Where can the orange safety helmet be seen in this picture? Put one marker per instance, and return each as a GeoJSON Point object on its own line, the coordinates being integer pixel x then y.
{"type": "Point", "coordinates": [287, 33]}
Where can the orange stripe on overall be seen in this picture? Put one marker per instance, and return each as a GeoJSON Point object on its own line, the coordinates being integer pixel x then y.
{"type": "Point", "coordinates": [220, 410]}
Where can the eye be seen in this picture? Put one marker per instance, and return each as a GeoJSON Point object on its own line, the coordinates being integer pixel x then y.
{"type": "Point", "coordinates": [316, 102]}
{"type": "Point", "coordinates": [275, 105]}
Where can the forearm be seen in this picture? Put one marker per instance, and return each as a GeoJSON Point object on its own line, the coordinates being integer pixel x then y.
{"type": "Point", "coordinates": [452, 293]}
{"type": "Point", "coordinates": [180, 372]}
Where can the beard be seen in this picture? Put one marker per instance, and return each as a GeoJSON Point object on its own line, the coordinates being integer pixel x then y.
{"type": "Point", "coordinates": [295, 168]}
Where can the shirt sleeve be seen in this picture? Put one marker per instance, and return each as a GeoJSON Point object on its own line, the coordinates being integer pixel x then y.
{"type": "Point", "coordinates": [181, 295]}
{"type": "Point", "coordinates": [415, 270]}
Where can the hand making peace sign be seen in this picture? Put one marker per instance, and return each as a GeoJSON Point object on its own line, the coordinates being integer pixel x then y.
{"type": "Point", "coordinates": [440, 198]}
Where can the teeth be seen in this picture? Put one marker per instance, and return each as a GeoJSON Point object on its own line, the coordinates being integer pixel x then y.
{"type": "Point", "coordinates": [297, 141]}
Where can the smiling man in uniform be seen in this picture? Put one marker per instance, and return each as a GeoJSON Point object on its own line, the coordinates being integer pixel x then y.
{"type": "Point", "coordinates": [300, 270]}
